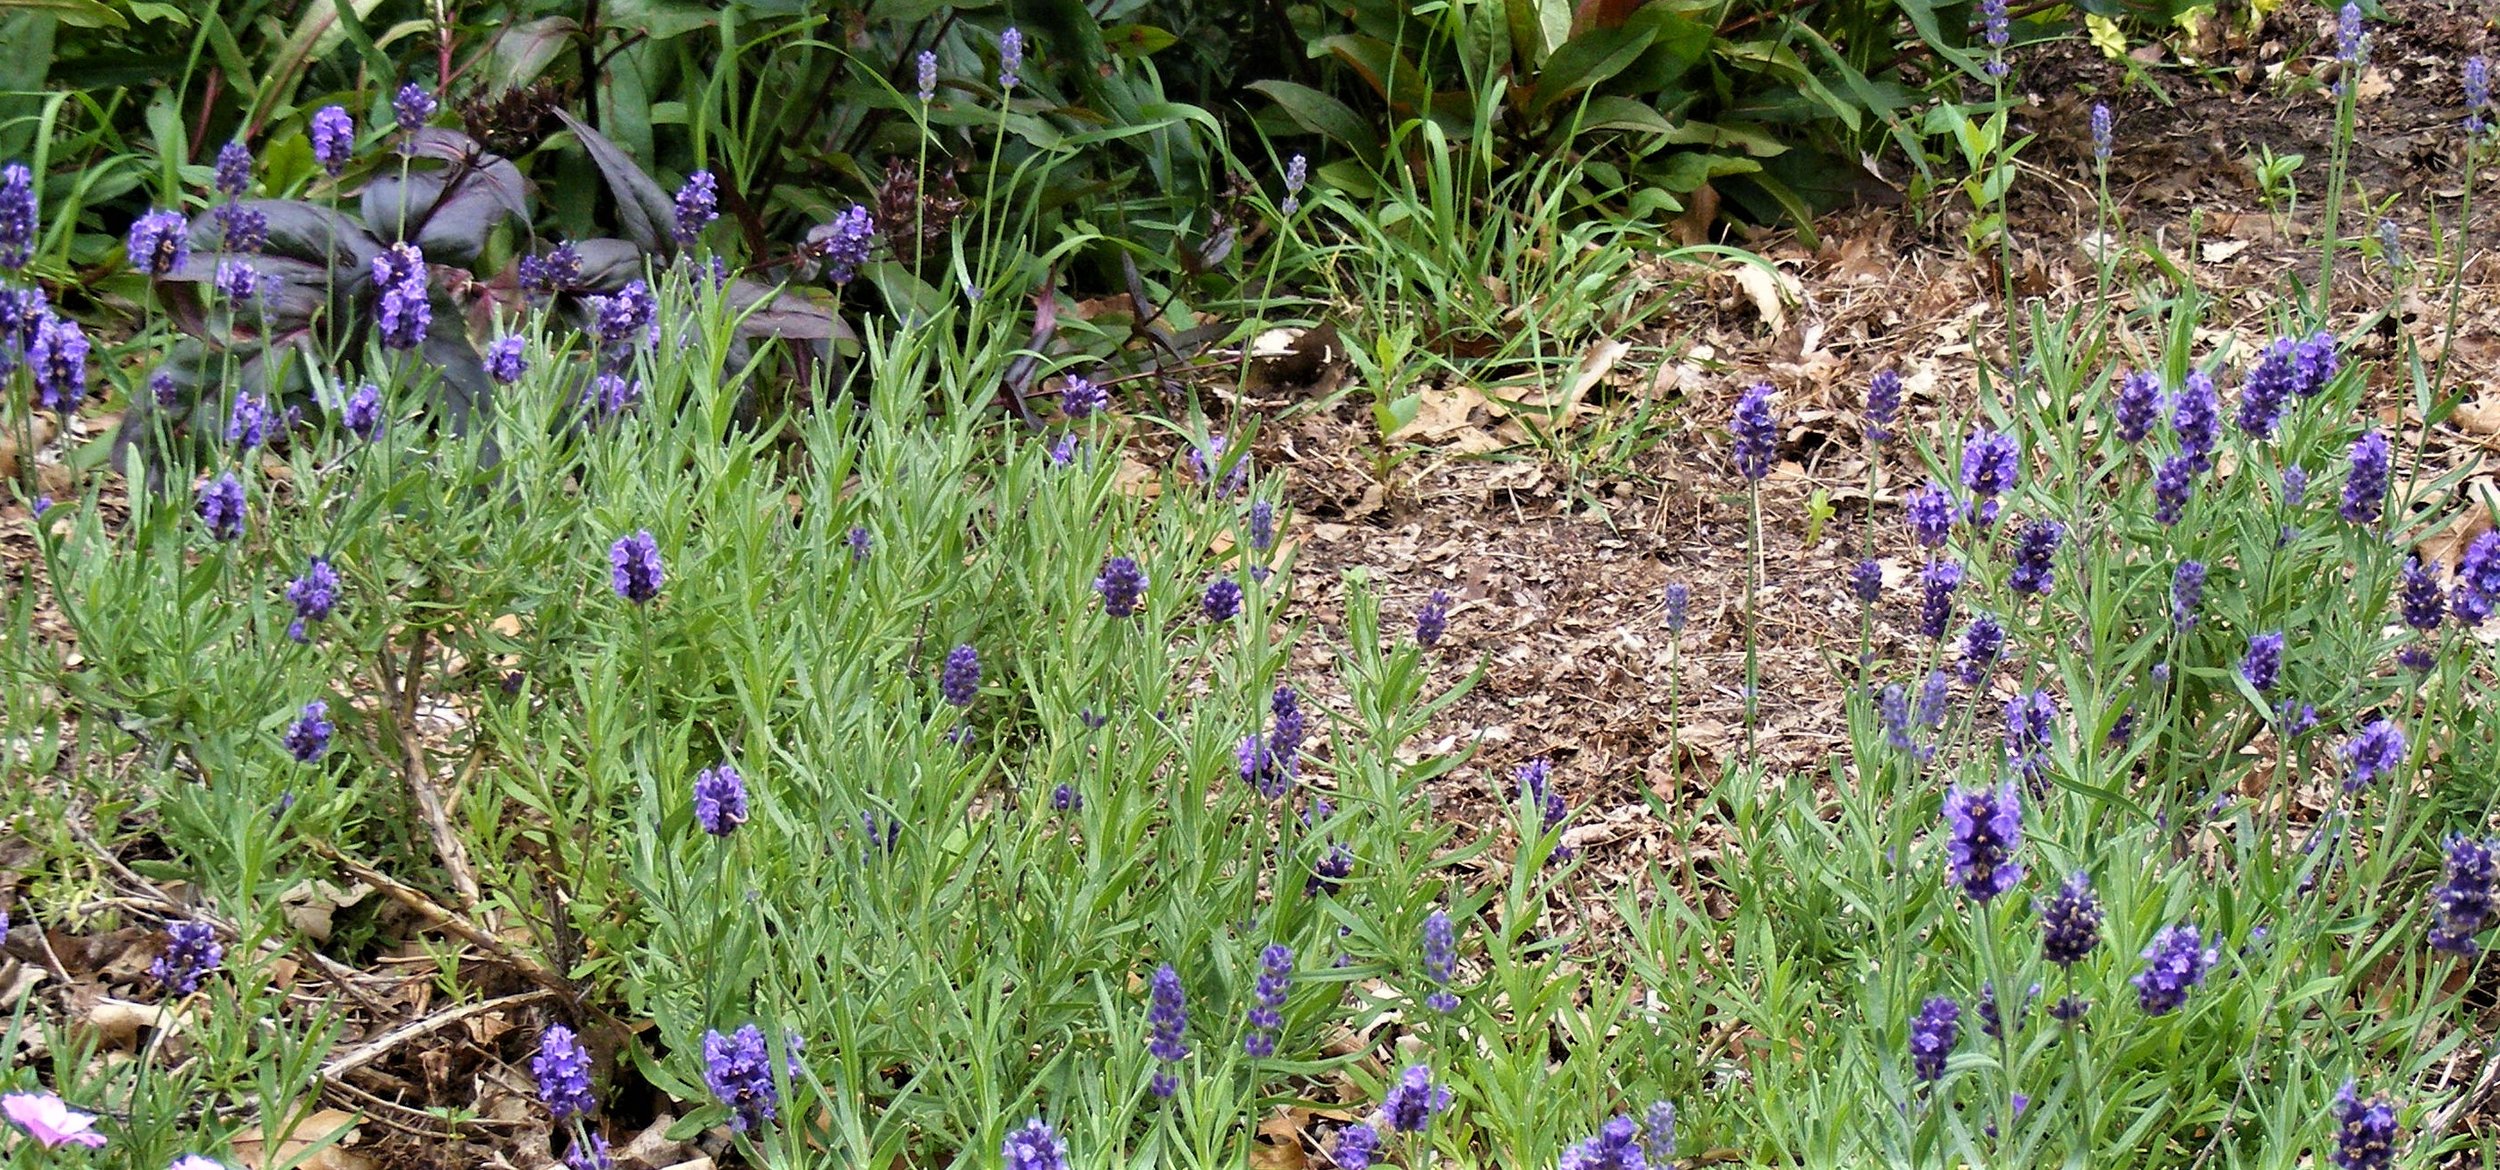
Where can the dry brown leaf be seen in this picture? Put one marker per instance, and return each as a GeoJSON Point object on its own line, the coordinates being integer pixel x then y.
{"type": "Point", "coordinates": [1770, 291]}
{"type": "Point", "coordinates": [2219, 251]}
{"type": "Point", "coordinates": [1441, 413]}
{"type": "Point", "coordinates": [252, 1151]}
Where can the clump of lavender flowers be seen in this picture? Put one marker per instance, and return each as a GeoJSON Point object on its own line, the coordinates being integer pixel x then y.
{"type": "Point", "coordinates": [697, 204]}
{"type": "Point", "coordinates": [160, 242]}
{"type": "Point", "coordinates": [1931, 514]}
{"type": "Point", "coordinates": [738, 1068]}
{"type": "Point", "coordinates": [1122, 584]}
{"type": "Point", "coordinates": [843, 245]}
{"type": "Point", "coordinates": [1616, 1146]}
{"type": "Point", "coordinates": [1432, 620]}
{"type": "Point", "coordinates": [2365, 1131]}
{"type": "Point", "coordinates": [507, 358]}
{"type": "Point", "coordinates": [1410, 1104]}
{"type": "Point", "coordinates": [1984, 829]}
{"type": "Point", "coordinates": [2175, 961]}
{"type": "Point", "coordinates": [2196, 420]}
{"type": "Point", "coordinates": [2375, 752]}
{"type": "Point", "coordinates": [1883, 404]}
{"type": "Point", "coordinates": [959, 681]}
{"type": "Point", "coordinates": [2030, 733]}
{"type": "Point", "coordinates": [720, 800]}
{"type": "Point", "coordinates": [333, 135]}
{"type": "Point", "coordinates": [191, 952]}
{"type": "Point", "coordinates": [221, 507]}
{"type": "Point", "coordinates": [308, 738]}
{"type": "Point", "coordinates": [2035, 557]}
{"type": "Point", "coordinates": [2365, 486]}
{"type": "Point", "coordinates": [2263, 665]}
{"type": "Point", "coordinates": [1939, 582]}
{"type": "Point", "coordinates": [562, 1067]}
{"type": "Point", "coordinates": [2138, 405]}
{"type": "Point", "coordinates": [314, 595]}
{"type": "Point", "coordinates": [1991, 467]}
{"type": "Point", "coordinates": [1222, 600]}
{"type": "Point", "coordinates": [1034, 1147]}
{"type": "Point", "coordinates": [1982, 640]}
{"type": "Point", "coordinates": [1166, 1020]}
{"type": "Point", "coordinates": [20, 223]}
{"type": "Point", "coordinates": [634, 567]}
{"type": "Point", "coordinates": [2187, 591]}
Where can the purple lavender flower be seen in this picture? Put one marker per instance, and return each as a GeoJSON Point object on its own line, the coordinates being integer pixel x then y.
{"type": "Point", "coordinates": [1259, 768]}
{"type": "Point", "coordinates": [2035, 556]}
{"type": "Point", "coordinates": [560, 270]}
{"type": "Point", "coordinates": [1297, 172]}
{"type": "Point", "coordinates": [2477, 94]}
{"type": "Point", "coordinates": [412, 105]}
{"type": "Point", "coordinates": [2461, 905]}
{"type": "Point", "coordinates": [1658, 1134]}
{"type": "Point", "coordinates": [927, 63]}
{"type": "Point", "coordinates": [2187, 591]}
{"type": "Point", "coordinates": [2268, 387]}
{"type": "Point", "coordinates": [159, 243]}
{"type": "Point", "coordinates": [1221, 601]}
{"type": "Point", "coordinates": [1866, 581]}
{"type": "Point", "coordinates": [1883, 404]}
{"type": "Point", "coordinates": [1010, 57]}
{"type": "Point", "coordinates": [2138, 405]}
{"type": "Point", "coordinates": [615, 393]}
{"type": "Point", "coordinates": [2104, 134]}
{"type": "Point", "coordinates": [308, 738]}
{"type": "Point", "coordinates": [1354, 1147]}
{"type": "Point", "coordinates": [1933, 1033]}
{"type": "Point", "coordinates": [191, 952]}
{"type": "Point", "coordinates": [1432, 620]}
{"type": "Point", "coordinates": [1065, 798]}
{"type": "Point", "coordinates": [1893, 709]}
{"type": "Point", "coordinates": [234, 169]}
{"type": "Point", "coordinates": [1756, 432]}
{"type": "Point", "coordinates": [1440, 962]}
{"type": "Point", "coordinates": [1285, 741]}
{"type": "Point", "coordinates": [635, 567]}
{"type": "Point", "coordinates": [2070, 922]}
{"type": "Point", "coordinates": [1065, 450]}
{"type": "Point", "coordinates": [2176, 960]}
{"type": "Point", "coordinates": [2417, 658]}
{"type": "Point", "coordinates": [960, 681]}
{"type": "Point", "coordinates": [237, 280]}
{"type": "Point", "coordinates": [247, 421]}
{"type": "Point", "coordinates": [1615, 1147]}
{"type": "Point", "coordinates": [562, 1067]}
{"type": "Point", "coordinates": [2030, 732]}
{"type": "Point", "coordinates": [2173, 486]}
{"type": "Point", "coordinates": [1982, 640]}
{"type": "Point", "coordinates": [1331, 870]}
{"type": "Point", "coordinates": [843, 245]}
{"type": "Point", "coordinates": [1165, 1022]}
{"type": "Point", "coordinates": [1931, 514]}
{"type": "Point", "coordinates": [720, 800]}
{"type": "Point", "coordinates": [1537, 791]}
{"type": "Point", "coordinates": [1991, 464]}
{"type": "Point", "coordinates": [1122, 584]}
{"type": "Point", "coordinates": [1034, 1147]}
{"type": "Point", "coordinates": [507, 358]}
{"type": "Point", "coordinates": [698, 203]}
{"type": "Point", "coordinates": [1939, 581]}
{"type": "Point", "coordinates": [221, 508]}
{"type": "Point", "coordinates": [1267, 1017]}
{"type": "Point", "coordinates": [2314, 363]}
{"type": "Point", "coordinates": [2196, 418]}
{"type": "Point", "coordinates": [333, 136]}
{"type": "Point", "coordinates": [2373, 753]}
{"type": "Point", "coordinates": [1679, 601]}
{"type": "Point", "coordinates": [1081, 397]}
{"type": "Point", "coordinates": [19, 223]}
{"type": "Point", "coordinates": [313, 595]}
{"type": "Point", "coordinates": [1204, 462]}
{"type": "Point", "coordinates": [400, 275]}
{"type": "Point", "coordinates": [1985, 829]}
{"type": "Point", "coordinates": [2417, 589]}
{"type": "Point", "coordinates": [2365, 487]}
{"type": "Point", "coordinates": [1262, 526]}
{"type": "Point", "coordinates": [592, 1154]}
{"type": "Point", "coordinates": [57, 361]}
{"type": "Point", "coordinates": [2351, 44]}
{"type": "Point", "coordinates": [2264, 663]}
{"type": "Point", "coordinates": [859, 542]}
{"type": "Point", "coordinates": [624, 320]}
{"type": "Point", "coordinates": [1410, 1104]}
{"type": "Point", "coordinates": [363, 414]}
{"type": "Point", "coordinates": [739, 1070]}
{"type": "Point", "coordinates": [2365, 1131]}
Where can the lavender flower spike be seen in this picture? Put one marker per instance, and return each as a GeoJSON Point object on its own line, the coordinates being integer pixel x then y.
{"type": "Point", "coordinates": [2365, 1131]}
{"type": "Point", "coordinates": [2375, 752]}
{"type": "Point", "coordinates": [20, 225]}
{"type": "Point", "coordinates": [1410, 1104]}
{"type": "Point", "coordinates": [191, 952]}
{"type": "Point", "coordinates": [333, 135]}
{"type": "Point", "coordinates": [720, 800]}
{"type": "Point", "coordinates": [1883, 404]}
{"type": "Point", "coordinates": [2461, 905]}
{"type": "Point", "coordinates": [1984, 828]}
{"type": "Point", "coordinates": [1756, 433]}
{"type": "Point", "coordinates": [1122, 584]}
{"type": "Point", "coordinates": [738, 1069]}
{"type": "Point", "coordinates": [2176, 960]}
{"type": "Point", "coordinates": [159, 242]}
{"type": "Point", "coordinates": [960, 681]}
{"type": "Point", "coordinates": [2365, 486]}
{"type": "Point", "coordinates": [1165, 1022]}
{"type": "Point", "coordinates": [1010, 58]}
{"type": "Point", "coordinates": [2070, 922]}
{"type": "Point", "coordinates": [562, 1067]}
{"type": "Point", "coordinates": [1933, 1032]}
{"type": "Point", "coordinates": [635, 567]}
{"type": "Point", "coordinates": [1267, 1018]}
{"type": "Point", "coordinates": [1440, 960]}
{"type": "Point", "coordinates": [1432, 620]}
{"type": "Point", "coordinates": [1036, 1146]}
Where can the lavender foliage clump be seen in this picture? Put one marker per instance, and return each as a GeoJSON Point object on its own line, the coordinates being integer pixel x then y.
{"type": "Point", "coordinates": [959, 682]}
{"type": "Point", "coordinates": [720, 800]}
{"type": "Point", "coordinates": [1933, 1033]}
{"type": "Point", "coordinates": [1756, 433]}
{"type": "Point", "coordinates": [2070, 922]}
{"type": "Point", "coordinates": [1122, 585]}
{"type": "Point", "coordinates": [191, 952]}
{"type": "Point", "coordinates": [562, 1067]}
{"type": "Point", "coordinates": [2176, 961]}
{"type": "Point", "coordinates": [308, 738]}
{"type": "Point", "coordinates": [2035, 556]}
{"type": "Point", "coordinates": [2461, 905]}
{"type": "Point", "coordinates": [1984, 828]}
{"type": "Point", "coordinates": [1166, 1020]}
{"type": "Point", "coordinates": [2365, 486]}
{"type": "Point", "coordinates": [634, 567]}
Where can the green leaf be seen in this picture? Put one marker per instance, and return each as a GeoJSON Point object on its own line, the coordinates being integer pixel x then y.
{"type": "Point", "coordinates": [81, 13]}
{"type": "Point", "coordinates": [660, 20]}
{"type": "Point", "coordinates": [1325, 116]}
{"type": "Point", "coordinates": [1612, 112]}
{"type": "Point", "coordinates": [1587, 60]}
{"type": "Point", "coordinates": [1137, 40]}
{"type": "Point", "coordinates": [1677, 44]}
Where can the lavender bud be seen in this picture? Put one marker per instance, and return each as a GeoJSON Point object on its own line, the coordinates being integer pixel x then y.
{"type": "Point", "coordinates": [2187, 591]}
{"type": "Point", "coordinates": [1222, 600]}
{"type": "Point", "coordinates": [928, 76]}
{"type": "Point", "coordinates": [2138, 406]}
{"type": "Point", "coordinates": [2365, 1131]}
{"type": "Point", "coordinates": [562, 1067]}
{"type": "Point", "coordinates": [1883, 404]}
{"type": "Point", "coordinates": [221, 508]}
{"type": "Point", "coordinates": [2103, 134]}
{"type": "Point", "coordinates": [1432, 620]}
{"type": "Point", "coordinates": [1010, 58]}
{"type": "Point", "coordinates": [960, 681]}
{"type": "Point", "coordinates": [2375, 752]}
{"type": "Point", "coordinates": [412, 106]}
{"type": "Point", "coordinates": [2461, 905]}
{"type": "Point", "coordinates": [2070, 922]}
{"type": "Point", "coordinates": [19, 223]}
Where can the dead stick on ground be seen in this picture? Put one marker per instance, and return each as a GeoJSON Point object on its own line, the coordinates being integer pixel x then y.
{"type": "Point", "coordinates": [447, 845]}
{"type": "Point", "coordinates": [380, 1046]}
{"type": "Point", "coordinates": [450, 922]}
